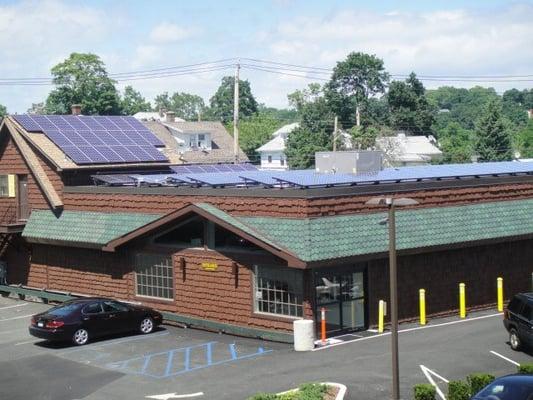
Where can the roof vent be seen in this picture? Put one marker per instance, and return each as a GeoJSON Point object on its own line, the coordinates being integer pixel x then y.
{"type": "Point", "coordinates": [171, 116]}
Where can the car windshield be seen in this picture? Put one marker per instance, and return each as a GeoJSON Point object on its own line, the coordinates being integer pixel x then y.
{"type": "Point", "coordinates": [63, 310]}
{"type": "Point", "coordinates": [502, 390]}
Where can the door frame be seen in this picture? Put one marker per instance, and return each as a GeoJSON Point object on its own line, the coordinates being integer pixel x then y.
{"type": "Point", "coordinates": [22, 202]}
{"type": "Point", "coordinates": [341, 270]}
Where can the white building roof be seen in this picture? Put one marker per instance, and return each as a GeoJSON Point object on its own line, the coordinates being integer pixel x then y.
{"type": "Point", "coordinates": [286, 129]}
{"type": "Point", "coordinates": [276, 144]}
{"type": "Point", "coordinates": [402, 148]}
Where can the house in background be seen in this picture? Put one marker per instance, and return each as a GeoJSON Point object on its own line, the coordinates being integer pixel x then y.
{"type": "Point", "coordinates": [273, 152]}
{"type": "Point", "coordinates": [403, 150]}
{"type": "Point", "coordinates": [203, 142]}
{"type": "Point", "coordinates": [156, 116]}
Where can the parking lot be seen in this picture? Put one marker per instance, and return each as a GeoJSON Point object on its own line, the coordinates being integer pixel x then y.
{"type": "Point", "coordinates": [214, 366]}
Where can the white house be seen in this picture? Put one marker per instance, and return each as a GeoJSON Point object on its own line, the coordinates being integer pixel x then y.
{"type": "Point", "coordinates": [403, 150]}
{"type": "Point", "coordinates": [273, 152]}
{"type": "Point", "coordinates": [154, 116]}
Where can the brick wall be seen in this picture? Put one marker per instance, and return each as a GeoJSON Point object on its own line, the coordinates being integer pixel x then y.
{"type": "Point", "coordinates": [289, 207]}
{"type": "Point", "coordinates": [441, 272]}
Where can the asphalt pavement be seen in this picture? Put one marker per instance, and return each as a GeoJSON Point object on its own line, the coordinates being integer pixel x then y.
{"type": "Point", "coordinates": [219, 367]}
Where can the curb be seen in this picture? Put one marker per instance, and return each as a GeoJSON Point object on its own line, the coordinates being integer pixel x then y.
{"type": "Point", "coordinates": [340, 395]}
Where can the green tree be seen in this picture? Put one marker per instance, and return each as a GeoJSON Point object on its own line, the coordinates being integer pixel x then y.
{"type": "Point", "coordinates": [302, 143]}
{"type": "Point", "coordinates": [456, 143]}
{"type": "Point", "coordinates": [299, 98]}
{"type": "Point", "coordinates": [221, 104]}
{"type": "Point", "coordinates": [255, 131]}
{"type": "Point", "coordinates": [524, 140]}
{"type": "Point", "coordinates": [186, 105]}
{"type": "Point", "coordinates": [409, 108]}
{"type": "Point", "coordinates": [133, 102]}
{"type": "Point", "coordinates": [83, 79]}
{"type": "Point", "coordinates": [515, 104]}
{"type": "Point", "coordinates": [492, 141]}
{"type": "Point", "coordinates": [3, 111]}
{"type": "Point", "coordinates": [352, 83]}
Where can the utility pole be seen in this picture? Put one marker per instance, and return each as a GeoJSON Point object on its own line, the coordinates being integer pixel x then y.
{"type": "Point", "coordinates": [335, 133]}
{"type": "Point", "coordinates": [357, 116]}
{"type": "Point", "coordinates": [236, 114]}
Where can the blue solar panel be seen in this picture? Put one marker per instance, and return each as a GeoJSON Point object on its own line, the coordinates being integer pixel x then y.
{"type": "Point", "coordinates": [114, 179]}
{"type": "Point", "coordinates": [95, 140]}
{"type": "Point", "coordinates": [218, 178]}
{"type": "Point", "coordinates": [201, 168]}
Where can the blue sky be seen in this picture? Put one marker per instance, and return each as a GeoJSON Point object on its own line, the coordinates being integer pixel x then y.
{"type": "Point", "coordinates": [451, 37]}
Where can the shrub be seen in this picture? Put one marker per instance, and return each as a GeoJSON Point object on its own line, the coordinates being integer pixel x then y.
{"type": "Point", "coordinates": [264, 396]}
{"type": "Point", "coordinates": [425, 391]}
{"type": "Point", "coordinates": [478, 381]}
{"type": "Point", "coordinates": [311, 391]}
{"type": "Point", "coordinates": [525, 369]}
{"type": "Point", "coordinates": [458, 390]}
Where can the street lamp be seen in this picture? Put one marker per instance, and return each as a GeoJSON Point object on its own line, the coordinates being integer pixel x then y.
{"type": "Point", "coordinates": [392, 203]}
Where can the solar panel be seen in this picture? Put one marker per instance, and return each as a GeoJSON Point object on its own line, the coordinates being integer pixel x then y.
{"type": "Point", "coordinates": [114, 179]}
{"type": "Point", "coordinates": [218, 178]}
{"type": "Point", "coordinates": [97, 139]}
{"type": "Point", "coordinates": [261, 177]}
{"type": "Point", "coordinates": [201, 168]}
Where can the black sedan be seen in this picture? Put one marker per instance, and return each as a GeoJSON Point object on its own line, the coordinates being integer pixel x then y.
{"type": "Point", "coordinates": [510, 387]}
{"type": "Point", "coordinates": [83, 319]}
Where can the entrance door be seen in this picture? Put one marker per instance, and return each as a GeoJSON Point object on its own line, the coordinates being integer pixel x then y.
{"type": "Point", "coordinates": [342, 294]}
{"type": "Point", "coordinates": [22, 194]}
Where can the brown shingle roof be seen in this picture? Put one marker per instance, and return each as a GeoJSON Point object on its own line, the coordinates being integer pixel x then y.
{"type": "Point", "coordinates": [222, 141]}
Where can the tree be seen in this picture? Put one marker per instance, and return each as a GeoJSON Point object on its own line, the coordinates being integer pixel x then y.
{"type": "Point", "coordinates": [492, 141]}
{"type": "Point", "coordinates": [3, 111]}
{"type": "Point", "coordinates": [82, 79]}
{"type": "Point", "coordinates": [524, 140]}
{"type": "Point", "coordinates": [353, 81]}
{"type": "Point", "coordinates": [515, 104]}
{"type": "Point", "coordinates": [133, 102]}
{"type": "Point", "coordinates": [255, 131]}
{"type": "Point", "coordinates": [456, 144]}
{"type": "Point", "coordinates": [409, 108]}
{"type": "Point", "coordinates": [299, 98]}
{"type": "Point", "coordinates": [302, 144]}
{"type": "Point", "coordinates": [222, 101]}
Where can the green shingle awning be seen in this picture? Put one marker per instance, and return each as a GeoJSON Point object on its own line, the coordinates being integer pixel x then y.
{"type": "Point", "coordinates": [81, 228]}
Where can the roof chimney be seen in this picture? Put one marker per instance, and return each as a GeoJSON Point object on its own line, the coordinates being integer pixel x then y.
{"type": "Point", "coordinates": [76, 109]}
{"type": "Point", "coordinates": [171, 116]}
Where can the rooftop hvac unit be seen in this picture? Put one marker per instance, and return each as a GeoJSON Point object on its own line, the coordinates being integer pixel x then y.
{"type": "Point", "coordinates": [352, 162]}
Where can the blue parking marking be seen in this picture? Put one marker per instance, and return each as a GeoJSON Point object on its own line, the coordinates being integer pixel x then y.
{"type": "Point", "coordinates": [147, 364]}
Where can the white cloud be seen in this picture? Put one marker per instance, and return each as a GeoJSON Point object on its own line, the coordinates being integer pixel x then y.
{"type": "Point", "coordinates": [167, 32]}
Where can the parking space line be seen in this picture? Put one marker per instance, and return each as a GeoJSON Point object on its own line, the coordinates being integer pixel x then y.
{"type": "Point", "coordinates": [505, 358]}
{"type": "Point", "coordinates": [418, 328]}
{"type": "Point", "coordinates": [427, 372]}
{"type": "Point", "coordinates": [117, 341]}
{"type": "Point", "coordinates": [19, 317]}
{"type": "Point", "coordinates": [11, 331]}
{"type": "Point", "coordinates": [16, 305]}
{"type": "Point", "coordinates": [27, 342]}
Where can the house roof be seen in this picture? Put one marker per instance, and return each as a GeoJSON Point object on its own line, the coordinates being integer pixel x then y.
{"type": "Point", "coordinates": [222, 141]}
{"type": "Point", "coordinates": [286, 129]}
{"type": "Point", "coordinates": [275, 144]}
{"type": "Point", "coordinates": [307, 240]}
{"type": "Point", "coordinates": [408, 148]}
{"type": "Point", "coordinates": [152, 116]}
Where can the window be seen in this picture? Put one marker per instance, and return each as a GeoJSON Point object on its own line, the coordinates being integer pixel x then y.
{"type": "Point", "coordinates": [93, 308]}
{"type": "Point", "coordinates": [154, 276]}
{"type": "Point", "coordinates": [189, 233]}
{"type": "Point", "coordinates": [200, 141]}
{"type": "Point", "coordinates": [225, 239]}
{"type": "Point", "coordinates": [279, 291]}
{"type": "Point", "coordinates": [269, 159]}
{"type": "Point", "coordinates": [113, 306]}
{"type": "Point", "coordinates": [4, 186]}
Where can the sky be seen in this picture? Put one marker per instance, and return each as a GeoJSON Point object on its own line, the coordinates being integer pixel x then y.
{"type": "Point", "coordinates": [451, 38]}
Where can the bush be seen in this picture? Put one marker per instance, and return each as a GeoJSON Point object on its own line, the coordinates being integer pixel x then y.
{"type": "Point", "coordinates": [311, 391]}
{"type": "Point", "coordinates": [525, 369]}
{"type": "Point", "coordinates": [478, 381]}
{"type": "Point", "coordinates": [264, 396]}
{"type": "Point", "coordinates": [458, 390]}
{"type": "Point", "coordinates": [425, 391]}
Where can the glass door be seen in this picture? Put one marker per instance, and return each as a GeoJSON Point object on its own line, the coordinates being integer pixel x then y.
{"type": "Point", "coordinates": [342, 294]}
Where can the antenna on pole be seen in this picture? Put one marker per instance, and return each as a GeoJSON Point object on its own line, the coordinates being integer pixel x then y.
{"type": "Point", "coordinates": [236, 113]}
{"type": "Point", "coordinates": [335, 133]}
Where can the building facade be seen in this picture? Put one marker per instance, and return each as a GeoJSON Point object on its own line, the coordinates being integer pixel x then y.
{"type": "Point", "coordinates": [259, 257]}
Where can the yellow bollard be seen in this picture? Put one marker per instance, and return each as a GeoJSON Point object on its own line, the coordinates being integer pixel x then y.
{"type": "Point", "coordinates": [381, 316]}
{"type": "Point", "coordinates": [422, 295]}
{"type": "Point", "coordinates": [500, 294]}
{"type": "Point", "coordinates": [462, 301]}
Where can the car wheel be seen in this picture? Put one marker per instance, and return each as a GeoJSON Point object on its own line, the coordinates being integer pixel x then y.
{"type": "Point", "coordinates": [514, 340]}
{"type": "Point", "coordinates": [147, 325]}
{"type": "Point", "coordinates": [80, 337]}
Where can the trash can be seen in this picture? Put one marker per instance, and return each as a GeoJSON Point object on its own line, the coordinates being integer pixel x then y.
{"type": "Point", "coordinates": [304, 334]}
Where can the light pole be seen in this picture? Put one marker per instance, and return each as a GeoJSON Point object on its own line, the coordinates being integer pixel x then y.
{"type": "Point", "coordinates": [391, 204]}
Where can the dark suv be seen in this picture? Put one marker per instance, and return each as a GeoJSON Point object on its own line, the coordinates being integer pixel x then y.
{"type": "Point", "coordinates": [518, 320]}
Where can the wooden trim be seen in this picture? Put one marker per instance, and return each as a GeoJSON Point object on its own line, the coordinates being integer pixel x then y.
{"type": "Point", "coordinates": [36, 169]}
{"type": "Point", "coordinates": [292, 259]}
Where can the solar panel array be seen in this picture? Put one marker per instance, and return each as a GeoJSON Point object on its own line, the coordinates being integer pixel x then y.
{"type": "Point", "coordinates": [201, 168]}
{"type": "Point", "coordinates": [310, 178]}
{"type": "Point", "coordinates": [97, 139]}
